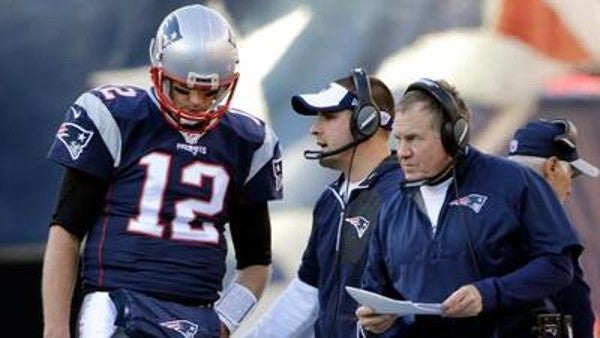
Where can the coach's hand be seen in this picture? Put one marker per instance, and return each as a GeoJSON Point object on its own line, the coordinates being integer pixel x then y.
{"type": "Point", "coordinates": [374, 322]}
{"type": "Point", "coordinates": [224, 331]}
{"type": "Point", "coordinates": [464, 302]}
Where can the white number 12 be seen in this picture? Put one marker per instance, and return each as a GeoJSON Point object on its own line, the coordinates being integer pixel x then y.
{"type": "Point", "coordinates": [151, 201]}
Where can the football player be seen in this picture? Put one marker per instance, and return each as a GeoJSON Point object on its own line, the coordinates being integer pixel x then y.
{"type": "Point", "coordinates": [151, 178]}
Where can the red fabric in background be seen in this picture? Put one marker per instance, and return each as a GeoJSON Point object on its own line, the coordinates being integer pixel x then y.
{"type": "Point", "coordinates": [537, 24]}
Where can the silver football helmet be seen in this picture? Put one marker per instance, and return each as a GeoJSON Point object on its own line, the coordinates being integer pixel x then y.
{"type": "Point", "coordinates": [195, 46]}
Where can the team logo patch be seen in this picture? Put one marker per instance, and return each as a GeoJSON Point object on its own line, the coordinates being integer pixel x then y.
{"type": "Point", "coordinates": [359, 223]}
{"type": "Point", "coordinates": [183, 326]}
{"type": "Point", "coordinates": [278, 173]}
{"type": "Point", "coordinates": [513, 145]}
{"type": "Point", "coordinates": [74, 137]}
{"type": "Point", "coordinates": [473, 201]}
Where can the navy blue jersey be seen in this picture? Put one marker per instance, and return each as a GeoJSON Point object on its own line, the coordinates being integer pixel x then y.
{"type": "Point", "coordinates": [328, 270]}
{"type": "Point", "coordinates": [161, 229]}
{"type": "Point", "coordinates": [501, 217]}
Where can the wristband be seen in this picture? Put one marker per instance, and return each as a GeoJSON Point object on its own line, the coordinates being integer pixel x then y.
{"type": "Point", "coordinates": [234, 305]}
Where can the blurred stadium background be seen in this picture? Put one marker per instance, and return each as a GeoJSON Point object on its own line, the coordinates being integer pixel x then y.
{"type": "Point", "coordinates": [513, 60]}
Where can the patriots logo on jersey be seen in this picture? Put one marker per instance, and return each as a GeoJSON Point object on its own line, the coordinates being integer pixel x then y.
{"type": "Point", "coordinates": [473, 201]}
{"type": "Point", "coordinates": [74, 137]}
{"type": "Point", "coordinates": [359, 223]}
{"type": "Point", "coordinates": [183, 326]}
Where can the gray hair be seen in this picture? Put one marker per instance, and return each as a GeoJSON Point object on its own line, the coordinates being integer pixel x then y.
{"type": "Point", "coordinates": [535, 162]}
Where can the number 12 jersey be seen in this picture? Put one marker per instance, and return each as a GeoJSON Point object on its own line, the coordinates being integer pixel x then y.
{"type": "Point", "coordinates": [161, 229]}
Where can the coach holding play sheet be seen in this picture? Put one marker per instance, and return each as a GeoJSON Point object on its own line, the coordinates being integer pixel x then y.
{"type": "Point", "coordinates": [484, 236]}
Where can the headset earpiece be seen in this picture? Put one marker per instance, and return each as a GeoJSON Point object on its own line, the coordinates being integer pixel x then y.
{"type": "Point", "coordinates": [569, 135]}
{"type": "Point", "coordinates": [365, 118]}
{"type": "Point", "coordinates": [455, 129]}
{"type": "Point", "coordinates": [461, 135]}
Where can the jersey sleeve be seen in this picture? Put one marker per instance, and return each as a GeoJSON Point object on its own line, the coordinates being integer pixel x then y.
{"type": "Point", "coordinates": [89, 138]}
{"type": "Point", "coordinates": [265, 178]}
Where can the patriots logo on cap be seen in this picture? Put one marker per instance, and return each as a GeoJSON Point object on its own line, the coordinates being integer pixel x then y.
{"type": "Point", "coordinates": [360, 223]}
{"type": "Point", "coordinates": [512, 147]}
{"type": "Point", "coordinates": [473, 201]}
{"type": "Point", "coordinates": [183, 326]}
{"type": "Point", "coordinates": [74, 137]}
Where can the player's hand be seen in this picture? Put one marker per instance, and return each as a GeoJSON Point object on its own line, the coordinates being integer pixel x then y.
{"type": "Point", "coordinates": [374, 322]}
{"type": "Point", "coordinates": [464, 302]}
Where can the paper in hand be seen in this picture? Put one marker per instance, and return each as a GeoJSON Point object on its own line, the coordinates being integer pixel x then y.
{"type": "Point", "coordinates": [384, 305]}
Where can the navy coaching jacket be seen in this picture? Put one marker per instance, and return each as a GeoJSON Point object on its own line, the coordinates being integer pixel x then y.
{"type": "Point", "coordinates": [329, 269]}
{"type": "Point", "coordinates": [500, 218]}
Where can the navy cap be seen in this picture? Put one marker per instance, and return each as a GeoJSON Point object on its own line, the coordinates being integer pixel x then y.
{"type": "Point", "coordinates": [547, 138]}
{"type": "Point", "coordinates": [334, 98]}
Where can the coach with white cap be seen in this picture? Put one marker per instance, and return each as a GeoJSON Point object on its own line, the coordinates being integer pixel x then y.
{"type": "Point", "coordinates": [352, 118]}
{"type": "Point", "coordinates": [550, 148]}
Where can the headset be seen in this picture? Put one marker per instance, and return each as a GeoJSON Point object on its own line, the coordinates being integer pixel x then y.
{"type": "Point", "coordinates": [365, 118]}
{"type": "Point", "coordinates": [364, 121]}
{"type": "Point", "coordinates": [455, 129]}
{"type": "Point", "coordinates": [569, 134]}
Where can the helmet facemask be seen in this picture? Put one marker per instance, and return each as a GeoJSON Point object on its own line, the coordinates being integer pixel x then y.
{"type": "Point", "coordinates": [187, 119]}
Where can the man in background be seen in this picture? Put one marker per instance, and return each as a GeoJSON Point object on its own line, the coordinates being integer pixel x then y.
{"type": "Point", "coordinates": [550, 148]}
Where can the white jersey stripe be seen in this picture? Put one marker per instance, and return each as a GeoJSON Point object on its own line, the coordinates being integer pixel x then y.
{"type": "Point", "coordinates": [263, 154]}
{"type": "Point", "coordinates": [104, 122]}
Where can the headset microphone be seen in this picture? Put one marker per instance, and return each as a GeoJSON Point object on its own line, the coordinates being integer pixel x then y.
{"type": "Point", "coordinates": [318, 154]}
